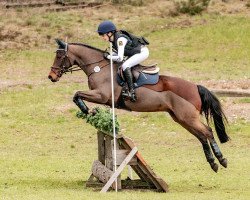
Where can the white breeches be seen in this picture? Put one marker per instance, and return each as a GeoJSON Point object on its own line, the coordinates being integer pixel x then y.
{"type": "Point", "coordinates": [136, 59]}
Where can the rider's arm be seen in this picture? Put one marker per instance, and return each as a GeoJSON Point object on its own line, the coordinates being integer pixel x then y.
{"type": "Point", "coordinates": [121, 43]}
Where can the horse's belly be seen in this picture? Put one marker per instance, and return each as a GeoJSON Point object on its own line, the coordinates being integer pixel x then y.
{"type": "Point", "coordinates": [149, 101]}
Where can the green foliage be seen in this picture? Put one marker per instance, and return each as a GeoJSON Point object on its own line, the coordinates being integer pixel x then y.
{"type": "Point", "coordinates": [101, 119]}
{"type": "Point", "coordinates": [192, 7]}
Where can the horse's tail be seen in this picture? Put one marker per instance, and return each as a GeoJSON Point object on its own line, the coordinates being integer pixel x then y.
{"type": "Point", "coordinates": [212, 109]}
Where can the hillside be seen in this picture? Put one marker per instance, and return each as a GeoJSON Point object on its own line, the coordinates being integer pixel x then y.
{"type": "Point", "coordinates": [25, 28]}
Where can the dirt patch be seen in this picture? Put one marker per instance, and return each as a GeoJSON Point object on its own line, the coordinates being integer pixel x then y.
{"type": "Point", "coordinates": [229, 7]}
{"type": "Point", "coordinates": [227, 84]}
{"type": "Point", "coordinates": [236, 110]}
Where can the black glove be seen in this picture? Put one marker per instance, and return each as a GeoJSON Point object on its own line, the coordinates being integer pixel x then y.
{"type": "Point", "coordinates": [105, 55]}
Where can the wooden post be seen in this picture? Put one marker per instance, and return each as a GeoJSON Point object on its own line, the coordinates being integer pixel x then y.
{"type": "Point", "coordinates": [108, 152]}
{"type": "Point", "coordinates": [126, 154]}
{"type": "Point", "coordinates": [101, 147]}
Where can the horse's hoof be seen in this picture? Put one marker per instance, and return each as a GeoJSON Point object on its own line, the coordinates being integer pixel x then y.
{"type": "Point", "coordinates": [214, 166]}
{"type": "Point", "coordinates": [223, 162]}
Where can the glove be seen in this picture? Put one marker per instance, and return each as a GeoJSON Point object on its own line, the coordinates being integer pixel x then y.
{"type": "Point", "coordinates": [105, 55]}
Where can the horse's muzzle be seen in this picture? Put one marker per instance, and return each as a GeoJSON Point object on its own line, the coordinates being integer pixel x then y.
{"type": "Point", "coordinates": [52, 79]}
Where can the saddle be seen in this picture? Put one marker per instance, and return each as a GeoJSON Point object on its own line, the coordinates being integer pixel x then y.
{"type": "Point", "coordinates": [141, 69]}
{"type": "Point", "coordinates": [142, 75]}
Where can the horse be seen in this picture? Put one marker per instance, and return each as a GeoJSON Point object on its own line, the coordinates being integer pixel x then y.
{"type": "Point", "coordinates": [183, 100]}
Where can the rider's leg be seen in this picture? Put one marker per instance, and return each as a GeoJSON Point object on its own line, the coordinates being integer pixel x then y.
{"type": "Point", "coordinates": [128, 64]}
{"type": "Point", "coordinates": [129, 79]}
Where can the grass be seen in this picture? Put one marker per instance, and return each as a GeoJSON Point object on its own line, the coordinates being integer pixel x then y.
{"type": "Point", "coordinates": [244, 100]}
{"type": "Point", "coordinates": [47, 153]}
{"type": "Point", "coordinates": [213, 45]}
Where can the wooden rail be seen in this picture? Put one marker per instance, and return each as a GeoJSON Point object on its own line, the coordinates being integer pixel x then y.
{"type": "Point", "coordinates": [231, 93]}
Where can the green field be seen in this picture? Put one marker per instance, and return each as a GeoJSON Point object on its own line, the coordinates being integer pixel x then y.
{"type": "Point", "coordinates": [47, 153]}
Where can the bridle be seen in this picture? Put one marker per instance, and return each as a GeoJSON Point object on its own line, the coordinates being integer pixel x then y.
{"type": "Point", "coordinates": [62, 69]}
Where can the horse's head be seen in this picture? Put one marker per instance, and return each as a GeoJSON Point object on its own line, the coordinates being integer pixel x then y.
{"type": "Point", "coordinates": [62, 62]}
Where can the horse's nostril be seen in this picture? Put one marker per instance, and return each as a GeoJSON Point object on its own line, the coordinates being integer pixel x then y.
{"type": "Point", "coordinates": [50, 77]}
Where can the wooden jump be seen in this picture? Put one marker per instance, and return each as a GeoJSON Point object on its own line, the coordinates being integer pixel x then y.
{"type": "Point", "coordinates": [127, 154]}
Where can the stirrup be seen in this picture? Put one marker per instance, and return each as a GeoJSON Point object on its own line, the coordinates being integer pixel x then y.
{"type": "Point", "coordinates": [129, 96]}
{"type": "Point", "coordinates": [133, 97]}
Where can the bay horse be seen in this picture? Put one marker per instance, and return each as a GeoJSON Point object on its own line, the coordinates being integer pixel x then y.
{"type": "Point", "coordinates": [183, 100]}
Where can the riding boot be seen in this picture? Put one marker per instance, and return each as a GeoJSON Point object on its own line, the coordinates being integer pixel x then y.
{"type": "Point", "coordinates": [129, 79]}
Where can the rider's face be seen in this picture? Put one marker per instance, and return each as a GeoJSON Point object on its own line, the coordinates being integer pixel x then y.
{"type": "Point", "coordinates": [107, 36]}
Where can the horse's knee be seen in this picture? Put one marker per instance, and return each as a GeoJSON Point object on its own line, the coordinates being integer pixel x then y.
{"type": "Point", "coordinates": [76, 96]}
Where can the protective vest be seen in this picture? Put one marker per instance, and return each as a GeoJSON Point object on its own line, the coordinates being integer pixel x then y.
{"type": "Point", "coordinates": [133, 45]}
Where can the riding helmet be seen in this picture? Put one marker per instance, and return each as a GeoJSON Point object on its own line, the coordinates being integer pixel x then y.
{"type": "Point", "coordinates": [105, 27]}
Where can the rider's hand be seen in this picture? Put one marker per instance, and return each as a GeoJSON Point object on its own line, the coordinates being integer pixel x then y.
{"type": "Point", "coordinates": [106, 55]}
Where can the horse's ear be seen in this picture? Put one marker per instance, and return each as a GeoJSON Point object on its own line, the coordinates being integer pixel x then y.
{"type": "Point", "coordinates": [61, 44]}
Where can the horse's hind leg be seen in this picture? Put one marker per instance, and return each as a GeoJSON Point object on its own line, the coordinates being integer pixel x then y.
{"type": "Point", "coordinates": [209, 155]}
{"type": "Point", "coordinates": [188, 116]}
{"type": "Point", "coordinates": [215, 148]}
{"type": "Point", "coordinates": [217, 153]}
{"type": "Point", "coordinates": [201, 137]}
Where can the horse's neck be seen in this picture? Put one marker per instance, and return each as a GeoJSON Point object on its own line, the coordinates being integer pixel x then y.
{"type": "Point", "coordinates": [87, 56]}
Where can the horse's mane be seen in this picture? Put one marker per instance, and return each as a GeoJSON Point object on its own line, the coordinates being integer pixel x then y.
{"type": "Point", "coordinates": [86, 45]}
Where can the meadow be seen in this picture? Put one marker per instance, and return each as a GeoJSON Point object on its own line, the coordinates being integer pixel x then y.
{"type": "Point", "coordinates": [47, 153]}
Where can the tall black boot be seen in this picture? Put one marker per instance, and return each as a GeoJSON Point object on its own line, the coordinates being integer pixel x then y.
{"type": "Point", "coordinates": [129, 79]}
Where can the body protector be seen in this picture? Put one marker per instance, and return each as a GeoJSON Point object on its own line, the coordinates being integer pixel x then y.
{"type": "Point", "coordinates": [133, 43]}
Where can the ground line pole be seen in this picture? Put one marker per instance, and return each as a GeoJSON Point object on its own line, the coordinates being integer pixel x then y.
{"type": "Point", "coordinates": [113, 109]}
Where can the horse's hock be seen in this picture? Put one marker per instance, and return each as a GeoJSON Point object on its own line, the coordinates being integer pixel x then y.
{"type": "Point", "coordinates": [104, 176]}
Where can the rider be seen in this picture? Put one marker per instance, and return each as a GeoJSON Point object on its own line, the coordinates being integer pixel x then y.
{"type": "Point", "coordinates": [125, 45]}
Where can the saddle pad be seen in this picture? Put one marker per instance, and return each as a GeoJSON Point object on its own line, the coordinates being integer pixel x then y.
{"type": "Point", "coordinates": [143, 79]}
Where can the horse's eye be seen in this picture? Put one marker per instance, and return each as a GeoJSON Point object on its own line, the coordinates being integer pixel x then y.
{"type": "Point", "coordinates": [58, 55]}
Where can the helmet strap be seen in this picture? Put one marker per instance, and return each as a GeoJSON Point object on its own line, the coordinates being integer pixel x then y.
{"type": "Point", "coordinates": [110, 36]}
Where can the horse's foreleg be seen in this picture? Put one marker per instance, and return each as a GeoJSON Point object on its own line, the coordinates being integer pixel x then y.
{"type": "Point", "coordinates": [94, 96]}
{"type": "Point", "coordinates": [80, 103]}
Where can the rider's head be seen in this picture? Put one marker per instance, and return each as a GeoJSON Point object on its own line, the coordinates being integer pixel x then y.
{"type": "Point", "coordinates": [106, 29]}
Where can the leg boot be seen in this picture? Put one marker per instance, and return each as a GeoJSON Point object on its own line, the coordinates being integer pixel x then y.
{"type": "Point", "coordinates": [129, 79]}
